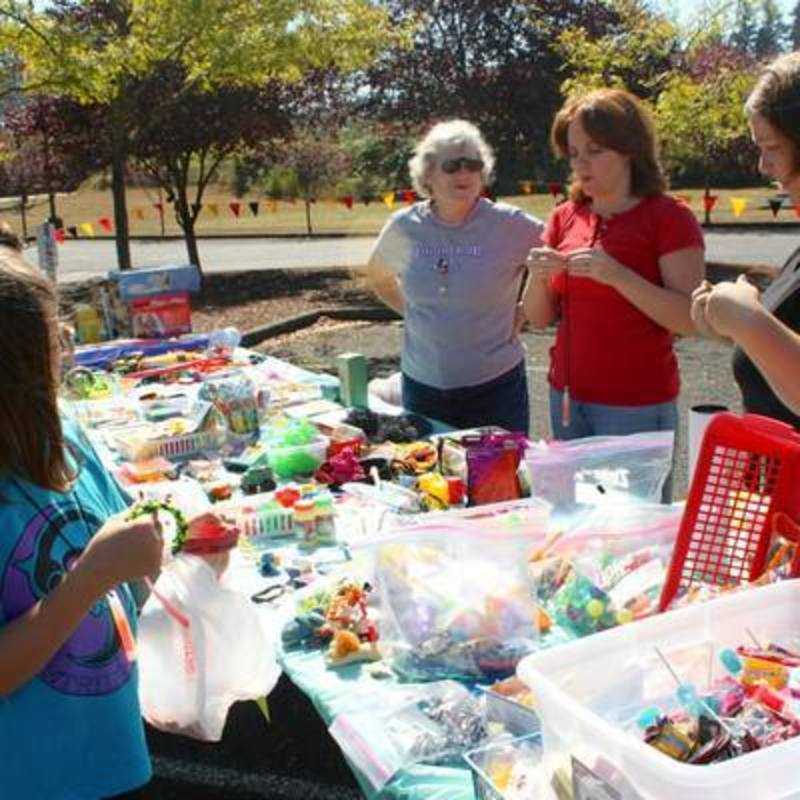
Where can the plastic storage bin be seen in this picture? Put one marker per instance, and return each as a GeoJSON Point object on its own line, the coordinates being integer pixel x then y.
{"type": "Point", "coordinates": [506, 770]}
{"type": "Point", "coordinates": [264, 525]}
{"type": "Point", "coordinates": [173, 447]}
{"type": "Point", "coordinates": [516, 716]}
{"type": "Point", "coordinates": [586, 690]}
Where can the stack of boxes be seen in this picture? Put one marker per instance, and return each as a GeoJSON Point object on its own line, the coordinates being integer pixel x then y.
{"type": "Point", "coordinates": [156, 299]}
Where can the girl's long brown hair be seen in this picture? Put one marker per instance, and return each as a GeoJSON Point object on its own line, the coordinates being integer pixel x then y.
{"type": "Point", "coordinates": [31, 439]}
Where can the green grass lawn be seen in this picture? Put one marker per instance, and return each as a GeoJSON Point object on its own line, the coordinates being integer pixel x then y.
{"type": "Point", "coordinates": [328, 216]}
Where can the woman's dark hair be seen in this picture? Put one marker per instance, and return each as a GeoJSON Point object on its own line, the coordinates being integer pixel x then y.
{"type": "Point", "coordinates": [31, 439]}
{"type": "Point", "coordinates": [776, 97]}
{"type": "Point", "coordinates": [618, 120]}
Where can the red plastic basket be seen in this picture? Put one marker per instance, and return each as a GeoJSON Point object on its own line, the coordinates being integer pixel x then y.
{"type": "Point", "coordinates": [747, 472]}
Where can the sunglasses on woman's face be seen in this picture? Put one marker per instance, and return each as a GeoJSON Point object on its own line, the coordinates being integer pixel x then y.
{"type": "Point", "coordinates": [453, 165]}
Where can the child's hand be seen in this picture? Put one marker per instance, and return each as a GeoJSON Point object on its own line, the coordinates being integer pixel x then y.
{"type": "Point", "coordinates": [123, 550]}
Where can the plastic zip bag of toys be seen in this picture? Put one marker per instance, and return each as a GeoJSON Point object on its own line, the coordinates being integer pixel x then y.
{"type": "Point", "coordinates": [436, 724]}
{"type": "Point", "coordinates": [455, 598]}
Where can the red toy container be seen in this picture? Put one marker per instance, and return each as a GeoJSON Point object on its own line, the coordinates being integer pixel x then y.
{"type": "Point", "coordinates": [747, 473]}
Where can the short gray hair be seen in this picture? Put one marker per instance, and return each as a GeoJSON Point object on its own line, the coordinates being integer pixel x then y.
{"type": "Point", "coordinates": [453, 133]}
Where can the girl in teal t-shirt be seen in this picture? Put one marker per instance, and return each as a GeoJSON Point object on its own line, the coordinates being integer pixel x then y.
{"type": "Point", "coordinates": [70, 725]}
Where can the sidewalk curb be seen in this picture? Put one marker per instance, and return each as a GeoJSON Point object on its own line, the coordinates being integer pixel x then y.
{"type": "Point", "coordinates": [750, 227]}
{"type": "Point", "coordinates": [358, 313]}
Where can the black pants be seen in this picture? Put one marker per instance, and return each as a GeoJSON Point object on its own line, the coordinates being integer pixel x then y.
{"type": "Point", "coordinates": [502, 401]}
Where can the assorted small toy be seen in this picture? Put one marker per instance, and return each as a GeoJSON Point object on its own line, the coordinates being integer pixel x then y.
{"type": "Point", "coordinates": [153, 507]}
{"type": "Point", "coordinates": [85, 384]}
{"type": "Point", "coordinates": [781, 564]}
{"type": "Point", "coordinates": [338, 617]}
{"type": "Point", "coordinates": [236, 398]}
{"type": "Point", "coordinates": [599, 593]}
{"type": "Point", "coordinates": [385, 427]}
{"type": "Point", "coordinates": [755, 705]}
{"type": "Point", "coordinates": [465, 602]}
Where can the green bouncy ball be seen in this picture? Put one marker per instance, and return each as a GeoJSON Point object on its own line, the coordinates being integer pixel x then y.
{"type": "Point", "coordinates": [595, 609]}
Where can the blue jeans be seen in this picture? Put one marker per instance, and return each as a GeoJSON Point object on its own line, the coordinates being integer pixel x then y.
{"type": "Point", "coordinates": [596, 419]}
{"type": "Point", "coordinates": [502, 401]}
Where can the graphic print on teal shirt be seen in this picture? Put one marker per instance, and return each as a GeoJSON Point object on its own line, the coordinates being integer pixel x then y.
{"type": "Point", "coordinates": [92, 661]}
{"type": "Point", "coordinates": [75, 729]}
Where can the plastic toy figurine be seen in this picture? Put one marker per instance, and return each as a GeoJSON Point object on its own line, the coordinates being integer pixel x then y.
{"type": "Point", "coordinates": [83, 384]}
{"type": "Point", "coordinates": [340, 468]}
{"type": "Point", "coordinates": [354, 634]}
{"type": "Point", "coordinates": [257, 479]}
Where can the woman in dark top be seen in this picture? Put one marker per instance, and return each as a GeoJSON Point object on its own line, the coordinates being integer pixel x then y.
{"type": "Point", "coordinates": [766, 361]}
{"type": "Point", "coordinates": [757, 395]}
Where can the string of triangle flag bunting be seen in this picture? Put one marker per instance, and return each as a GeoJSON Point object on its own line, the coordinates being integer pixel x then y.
{"type": "Point", "coordinates": [390, 199]}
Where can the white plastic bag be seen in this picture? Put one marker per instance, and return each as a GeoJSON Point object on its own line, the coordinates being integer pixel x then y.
{"type": "Point", "coordinates": [201, 648]}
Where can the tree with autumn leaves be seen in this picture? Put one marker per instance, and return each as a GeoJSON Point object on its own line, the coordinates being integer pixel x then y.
{"type": "Point", "coordinates": [49, 148]}
{"type": "Point", "coordinates": [105, 52]}
{"type": "Point", "coordinates": [695, 83]}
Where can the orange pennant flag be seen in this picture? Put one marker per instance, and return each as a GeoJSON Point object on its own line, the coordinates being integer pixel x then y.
{"type": "Point", "coordinates": [138, 213]}
{"type": "Point", "coordinates": [235, 208]}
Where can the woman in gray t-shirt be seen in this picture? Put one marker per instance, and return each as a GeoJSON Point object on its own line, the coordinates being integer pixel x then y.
{"type": "Point", "coordinates": [453, 265]}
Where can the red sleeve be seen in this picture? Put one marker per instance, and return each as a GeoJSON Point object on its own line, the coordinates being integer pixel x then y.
{"type": "Point", "coordinates": [678, 228]}
{"type": "Point", "coordinates": [552, 232]}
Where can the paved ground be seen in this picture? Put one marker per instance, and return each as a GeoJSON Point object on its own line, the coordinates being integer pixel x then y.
{"type": "Point", "coordinates": [84, 259]}
{"type": "Point", "coordinates": [79, 260]}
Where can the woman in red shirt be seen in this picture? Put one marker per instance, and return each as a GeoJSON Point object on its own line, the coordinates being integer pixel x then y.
{"type": "Point", "coordinates": [617, 274]}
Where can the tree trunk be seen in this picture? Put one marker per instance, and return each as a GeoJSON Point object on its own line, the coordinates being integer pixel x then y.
{"type": "Point", "coordinates": [161, 211]}
{"type": "Point", "coordinates": [308, 217]}
{"type": "Point", "coordinates": [23, 201]}
{"type": "Point", "coordinates": [191, 245]}
{"type": "Point", "coordinates": [120, 208]}
{"type": "Point", "coordinates": [187, 222]}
